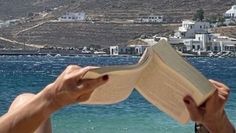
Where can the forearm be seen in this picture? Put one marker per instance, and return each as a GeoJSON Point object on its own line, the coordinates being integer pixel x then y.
{"type": "Point", "coordinates": [27, 118]}
{"type": "Point", "coordinates": [223, 125]}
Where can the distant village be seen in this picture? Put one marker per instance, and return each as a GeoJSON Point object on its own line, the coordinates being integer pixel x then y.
{"type": "Point", "coordinates": [192, 38]}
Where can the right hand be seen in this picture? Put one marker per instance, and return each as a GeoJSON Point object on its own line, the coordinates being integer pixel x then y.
{"type": "Point", "coordinates": [70, 88]}
{"type": "Point", "coordinates": [211, 114]}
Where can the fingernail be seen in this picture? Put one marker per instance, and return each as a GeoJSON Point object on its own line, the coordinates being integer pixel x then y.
{"type": "Point", "coordinates": [105, 77]}
{"type": "Point", "coordinates": [186, 101]}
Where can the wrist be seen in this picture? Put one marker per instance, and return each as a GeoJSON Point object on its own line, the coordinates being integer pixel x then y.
{"type": "Point", "coordinates": [219, 124]}
{"type": "Point", "coordinates": [48, 98]}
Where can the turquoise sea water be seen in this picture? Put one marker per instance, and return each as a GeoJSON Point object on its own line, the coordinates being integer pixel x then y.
{"type": "Point", "coordinates": [20, 74]}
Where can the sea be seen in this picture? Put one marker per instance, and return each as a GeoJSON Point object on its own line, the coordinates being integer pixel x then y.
{"type": "Point", "coordinates": [20, 74]}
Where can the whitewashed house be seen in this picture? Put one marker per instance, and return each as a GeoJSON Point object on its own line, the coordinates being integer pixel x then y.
{"type": "Point", "coordinates": [114, 50]}
{"type": "Point", "coordinates": [136, 49]}
{"type": "Point", "coordinates": [151, 19]}
{"type": "Point", "coordinates": [71, 16]}
{"type": "Point", "coordinates": [231, 13]}
{"type": "Point", "coordinates": [1, 23]}
{"type": "Point", "coordinates": [223, 44]}
{"type": "Point", "coordinates": [193, 37]}
{"type": "Point", "coordinates": [205, 43]}
{"type": "Point", "coordinates": [201, 42]}
{"type": "Point", "coordinates": [189, 28]}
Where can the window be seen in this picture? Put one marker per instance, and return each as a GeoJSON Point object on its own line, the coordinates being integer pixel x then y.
{"type": "Point", "coordinates": [200, 26]}
{"type": "Point", "coordinates": [215, 48]}
{"type": "Point", "coordinates": [208, 48]}
{"type": "Point", "coordinates": [198, 47]}
{"type": "Point", "coordinates": [193, 46]}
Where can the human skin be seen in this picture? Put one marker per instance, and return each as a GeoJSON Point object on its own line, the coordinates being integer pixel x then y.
{"type": "Point", "coordinates": [20, 100]}
{"type": "Point", "coordinates": [67, 89]}
{"type": "Point", "coordinates": [212, 114]}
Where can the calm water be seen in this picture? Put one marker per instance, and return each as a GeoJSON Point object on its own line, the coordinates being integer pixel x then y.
{"type": "Point", "coordinates": [135, 115]}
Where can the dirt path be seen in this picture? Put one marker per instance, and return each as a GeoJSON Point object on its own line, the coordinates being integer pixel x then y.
{"type": "Point", "coordinates": [35, 26]}
{"type": "Point", "coordinates": [21, 43]}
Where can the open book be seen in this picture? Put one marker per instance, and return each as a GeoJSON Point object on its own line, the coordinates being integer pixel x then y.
{"type": "Point", "coordinates": [161, 76]}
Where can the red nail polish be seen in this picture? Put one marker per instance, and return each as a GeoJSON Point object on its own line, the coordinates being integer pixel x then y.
{"type": "Point", "coordinates": [105, 77]}
{"type": "Point", "coordinates": [186, 101]}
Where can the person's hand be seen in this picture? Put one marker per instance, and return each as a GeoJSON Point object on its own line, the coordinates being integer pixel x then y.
{"type": "Point", "coordinates": [211, 114]}
{"type": "Point", "coordinates": [70, 88]}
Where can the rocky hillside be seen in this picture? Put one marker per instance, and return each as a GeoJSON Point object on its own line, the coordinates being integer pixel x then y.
{"type": "Point", "coordinates": [172, 9]}
{"type": "Point", "coordinates": [86, 34]}
{"type": "Point", "coordinates": [226, 31]}
{"type": "Point", "coordinates": [102, 33]}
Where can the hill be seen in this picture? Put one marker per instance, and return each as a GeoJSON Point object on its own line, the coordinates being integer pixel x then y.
{"type": "Point", "coordinates": [229, 31]}
{"type": "Point", "coordinates": [75, 34]}
{"type": "Point", "coordinates": [126, 9]}
{"type": "Point", "coordinates": [104, 33]}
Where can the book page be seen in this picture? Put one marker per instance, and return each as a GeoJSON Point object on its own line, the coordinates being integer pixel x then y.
{"type": "Point", "coordinates": [122, 80]}
{"type": "Point", "coordinates": [163, 88]}
{"type": "Point", "coordinates": [170, 57]}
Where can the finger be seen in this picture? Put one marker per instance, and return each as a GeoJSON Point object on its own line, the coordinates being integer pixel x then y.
{"type": "Point", "coordinates": [218, 84]}
{"type": "Point", "coordinates": [222, 91]}
{"type": "Point", "coordinates": [223, 95]}
{"type": "Point", "coordinates": [71, 68]}
{"type": "Point", "coordinates": [84, 97]}
{"type": "Point", "coordinates": [78, 74]}
{"type": "Point", "coordinates": [194, 111]}
{"type": "Point", "coordinates": [86, 85]}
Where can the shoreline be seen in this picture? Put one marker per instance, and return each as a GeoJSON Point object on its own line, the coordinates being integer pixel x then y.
{"type": "Point", "coordinates": [77, 53]}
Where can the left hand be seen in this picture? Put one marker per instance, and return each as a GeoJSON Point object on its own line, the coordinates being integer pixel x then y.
{"type": "Point", "coordinates": [70, 88]}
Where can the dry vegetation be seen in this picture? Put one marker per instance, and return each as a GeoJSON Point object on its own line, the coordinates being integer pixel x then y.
{"type": "Point", "coordinates": [86, 34]}
{"type": "Point", "coordinates": [226, 31]}
{"type": "Point", "coordinates": [104, 34]}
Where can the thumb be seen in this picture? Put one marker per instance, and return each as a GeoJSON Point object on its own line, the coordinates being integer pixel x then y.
{"type": "Point", "coordinates": [194, 111]}
{"type": "Point", "coordinates": [88, 85]}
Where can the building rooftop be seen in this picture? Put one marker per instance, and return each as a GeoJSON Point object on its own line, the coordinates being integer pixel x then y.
{"type": "Point", "coordinates": [188, 21]}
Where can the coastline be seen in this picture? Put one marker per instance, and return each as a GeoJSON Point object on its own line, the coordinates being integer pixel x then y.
{"type": "Point", "coordinates": [48, 52]}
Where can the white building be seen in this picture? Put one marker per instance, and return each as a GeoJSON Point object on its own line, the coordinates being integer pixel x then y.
{"type": "Point", "coordinates": [151, 19]}
{"type": "Point", "coordinates": [231, 13]}
{"type": "Point", "coordinates": [201, 42]}
{"type": "Point", "coordinates": [1, 24]}
{"type": "Point", "coordinates": [223, 44]}
{"type": "Point", "coordinates": [70, 16]}
{"type": "Point", "coordinates": [114, 50]}
{"type": "Point", "coordinates": [189, 28]}
{"type": "Point", "coordinates": [205, 43]}
{"type": "Point", "coordinates": [136, 49]}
